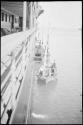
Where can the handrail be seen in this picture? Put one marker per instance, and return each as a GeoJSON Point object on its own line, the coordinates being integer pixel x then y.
{"type": "Point", "coordinates": [9, 42]}
{"type": "Point", "coordinates": [9, 45]}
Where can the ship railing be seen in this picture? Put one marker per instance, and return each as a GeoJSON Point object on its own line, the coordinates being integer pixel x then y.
{"type": "Point", "coordinates": [15, 53]}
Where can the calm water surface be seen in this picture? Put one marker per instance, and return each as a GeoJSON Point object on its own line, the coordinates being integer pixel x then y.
{"type": "Point", "coordinates": [60, 102]}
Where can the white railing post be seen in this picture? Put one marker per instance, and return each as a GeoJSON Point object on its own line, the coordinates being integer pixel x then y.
{"type": "Point", "coordinates": [13, 78]}
{"type": "Point", "coordinates": [31, 19]}
{"type": "Point", "coordinates": [24, 15]}
{"type": "Point", "coordinates": [23, 60]}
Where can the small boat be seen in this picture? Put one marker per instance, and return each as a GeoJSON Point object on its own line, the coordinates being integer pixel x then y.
{"type": "Point", "coordinates": [39, 51]}
{"type": "Point", "coordinates": [47, 73]}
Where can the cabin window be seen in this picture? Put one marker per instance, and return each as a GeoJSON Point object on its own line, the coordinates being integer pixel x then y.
{"type": "Point", "coordinates": [2, 16]}
{"type": "Point", "coordinates": [6, 17]}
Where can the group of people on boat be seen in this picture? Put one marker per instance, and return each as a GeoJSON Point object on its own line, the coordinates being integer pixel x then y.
{"type": "Point", "coordinates": [47, 71]}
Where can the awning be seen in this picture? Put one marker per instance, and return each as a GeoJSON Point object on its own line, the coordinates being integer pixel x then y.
{"type": "Point", "coordinates": [39, 11]}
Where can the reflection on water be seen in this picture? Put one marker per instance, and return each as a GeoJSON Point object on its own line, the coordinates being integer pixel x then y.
{"type": "Point", "coordinates": [39, 116]}
{"type": "Point", "coordinates": [60, 100]}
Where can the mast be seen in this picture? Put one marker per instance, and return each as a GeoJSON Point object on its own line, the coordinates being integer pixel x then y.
{"type": "Point", "coordinates": [47, 51]}
{"type": "Point", "coordinates": [42, 38]}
